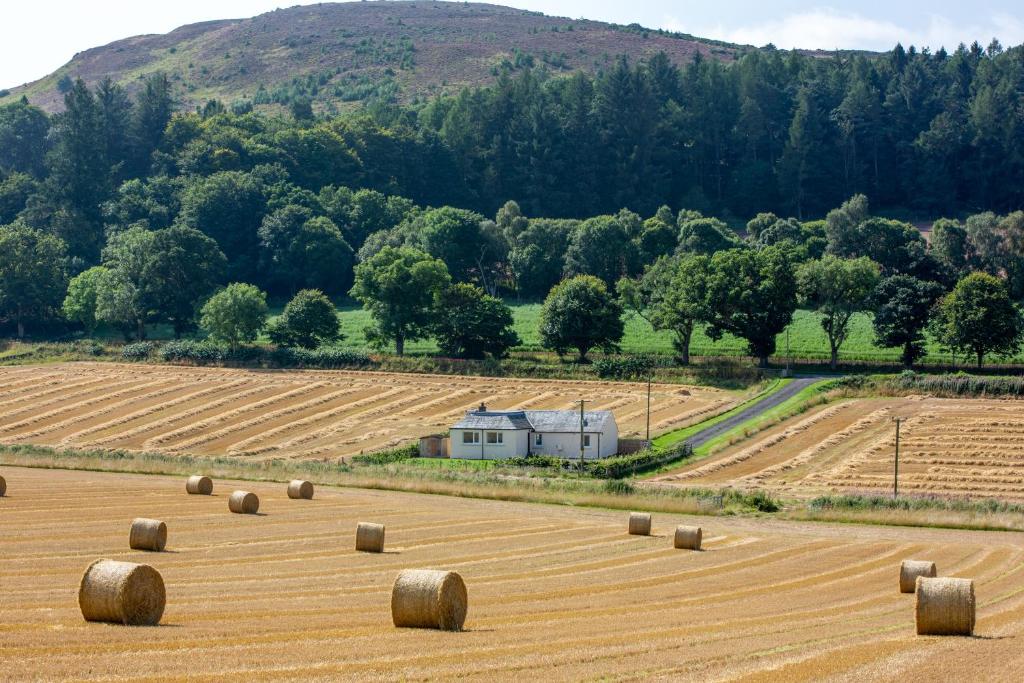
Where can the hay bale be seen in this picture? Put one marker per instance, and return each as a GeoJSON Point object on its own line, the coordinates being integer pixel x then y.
{"type": "Point", "coordinates": [244, 503]}
{"type": "Point", "coordinates": [911, 569]}
{"type": "Point", "coordinates": [298, 488]}
{"type": "Point", "coordinates": [370, 537]}
{"type": "Point", "coordinates": [3, 487]}
{"type": "Point", "coordinates": [945, 607]}
{"type": "Point", "coordinates": [640, 523]}
{"type": "Point", "coordinates": [688, 537]}
{"type": "Point", "coordinates": [147, 534]}
{"type": "Point", "coordinates": [429, 598]}
{"type": "Point", "coordinates": [122, 593]}
{"type": "Point", "coordinates": [199, 486]}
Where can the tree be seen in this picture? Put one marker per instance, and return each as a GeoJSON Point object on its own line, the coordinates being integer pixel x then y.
{"type": "Point", "coordinates": [706, 236]}
{"type": "Point", "coordinates": [23, 138]}
{"type": "Point", "coordinates": [670, 296]}
{"type": "Point", "coordinates": [120, 302]}
{"type": "Point", "coordinates": [903, 305]}
{"type": "Point", "coordinates": [581, 313]}
{"type": "Point", "coordinates": [397, 285]}
{"type": "Point", "coordinates": [32, 274]}
{"type": "Point", "coordinates": [538, 257]}
{"type": "Point", "coordinates": [300, 250]}
{"type": "Point", "coordinates": [184, 268]}
{"type": "Point", "coordinates": [469, 323]}
{"type": "Point", "coordinates": [152, 114]}
{"type": "Point", "coordinates": [80, 303]}
{"type": "Point", "coordinates": [837, 288]}
{"type": "Point", "coordinates": [751, 294]}
{"type": "Point", "coordinates": [978, 318]}
{"type": "Point", "coordinates": [601, 247]}
{"type": "Point", "coordinates": [471, 247]}
{"type": "Point", "coordinates": [308, 321]}
{"type": "Point", "coordinates": [236, 314]}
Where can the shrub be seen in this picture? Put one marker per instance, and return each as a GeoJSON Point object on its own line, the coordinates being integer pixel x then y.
{"type": "Point", "coordinates": [308, 321]}
{"type": "Point", "coordinates": [621, 466]}
{"type": "Point", "coordinates": [536, 461]}
{"type": "Point", "coordinates": [624, 367]}
{"type": "Point", "coordinates": [959, 384]}
{"type": "Point", "coordinates": [136, 352]}
{"type": "Point", "coordinates": [385, 457]}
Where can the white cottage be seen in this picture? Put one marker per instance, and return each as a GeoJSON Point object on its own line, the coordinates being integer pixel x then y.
{"type": "Point", "coordinates": [493, 435]}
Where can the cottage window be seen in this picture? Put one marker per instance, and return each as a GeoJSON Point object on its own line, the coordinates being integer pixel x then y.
{"type": "Point", "coordinates": [470, 437]}
{"type": "Point", "coordinates": [538, 439]}
{"type": "Point", "coordinates": [495, 437]}
{"type": "Point", "coordinates": [586, 440]}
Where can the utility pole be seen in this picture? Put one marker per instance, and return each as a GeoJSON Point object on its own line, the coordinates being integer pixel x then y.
{"type": "Point", "coordinates": [896, 462]}
{"type": "Point", "coordinates": [582, 401]}
{"type": "Point", "coordinates": [648, 408]}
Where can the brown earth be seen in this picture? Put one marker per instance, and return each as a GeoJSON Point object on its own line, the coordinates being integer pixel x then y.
{"type": "Point", "coordinates": [293, 414]}
{"type": "Point", "coordinates": [555, 593]}
{"type": "Point", "coordinates": [960, 448]}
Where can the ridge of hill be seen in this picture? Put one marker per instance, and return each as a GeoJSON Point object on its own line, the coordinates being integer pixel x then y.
{"type": "Point", "coordinates": [336, 53]}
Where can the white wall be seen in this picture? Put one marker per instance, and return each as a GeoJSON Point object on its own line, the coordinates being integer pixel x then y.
{"type": "Point", "coordinates": [513, 446]}
{"type": "Point", "coordinates": [569, 444]}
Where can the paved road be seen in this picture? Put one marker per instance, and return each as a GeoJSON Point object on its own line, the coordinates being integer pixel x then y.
{"type": "Point", "coordinates": [753, 410]}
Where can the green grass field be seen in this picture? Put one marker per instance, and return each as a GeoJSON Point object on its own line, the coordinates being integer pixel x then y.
{"type": "Point", "coordinates": [807, 340]}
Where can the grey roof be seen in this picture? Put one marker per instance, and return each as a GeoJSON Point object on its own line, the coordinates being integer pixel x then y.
{"type": "Point", "coordinates": [594, 421]}
{"type": "Point", "coordinates": [488, 419]}
{"type": "Point", "coordinates": [550, 421]}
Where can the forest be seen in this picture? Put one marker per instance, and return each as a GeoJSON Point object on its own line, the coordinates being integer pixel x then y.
{"type": "Point", "coordinates": [146, 210]}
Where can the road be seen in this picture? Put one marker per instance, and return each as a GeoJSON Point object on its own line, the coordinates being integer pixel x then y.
{"type": "Point", "coordinates": [753, 410]}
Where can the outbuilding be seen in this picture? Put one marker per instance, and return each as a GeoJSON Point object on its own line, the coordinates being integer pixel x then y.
{"type": "Point", "coordinates": [494, 435]}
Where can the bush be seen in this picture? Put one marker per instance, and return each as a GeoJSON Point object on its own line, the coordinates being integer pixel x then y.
{"type": "Point", "coordinates": [138, 351]}
{"type": "Point", "coordinates": [621, 466]}
{"type": "Point", "coordinates": [385, 457]}
{"type": "Point", "coordinates": [190, 351]}
{"type": "Point", "coordinates": [959, 384]}
{"type": "Point", "coordinates": [309, 320]}
{"type": "Point", "coordinates": [536, 461]}
{"type": "Point", "coordinates": [624, 367]}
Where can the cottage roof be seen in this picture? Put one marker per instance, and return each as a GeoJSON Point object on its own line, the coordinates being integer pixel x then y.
{"type": "Point", "coordinates": [497, 420]}
{"type": "Point", "coordinates": [550, 421]}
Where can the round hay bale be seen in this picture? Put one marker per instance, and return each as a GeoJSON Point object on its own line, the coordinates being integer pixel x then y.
{"type": "Point", "coordinates": [911, 569]}
{"type": "Point", "coordinates": [688, 537]}
{"type": "Point", "coordinates": [640, 523]}
{"type": "Point", "coordinates": [370, 537]}
{"type": "Point", "coordinates": [147, 534]}
{"type": "Point", "coordinates": [122, 593]}
{"type": "Point", "coordinates": [298, 488]}
{"type": "Point", "coordinates": [429, 598]}
{"type": "Point", "coordinates": [945, 607]}
{"type": "Point", "coordinates": [3, 487]}
{"type": "Point", "coordinates": [244, 503]}
{"type": "Point", "coordinates": [199, 485]}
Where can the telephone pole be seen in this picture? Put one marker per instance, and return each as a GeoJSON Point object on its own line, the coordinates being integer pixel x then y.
{"type": "Point", "coordinates": [648, 408]}
{"type": "Point", "coordinates": [896, 462]}
{"type": "Point", "coordinates": [582, 421]}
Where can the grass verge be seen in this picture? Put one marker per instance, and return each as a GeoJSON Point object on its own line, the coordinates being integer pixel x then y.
{"type": "Point", "coordinates": [981, 515]}
{"type": "Point", "coordinates": [398, 476]}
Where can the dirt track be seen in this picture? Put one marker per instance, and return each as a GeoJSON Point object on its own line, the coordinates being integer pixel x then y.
{"type": "Point", "coordinates": [293, 414]}
{"type": "Point", "coordinates": [555, 592]}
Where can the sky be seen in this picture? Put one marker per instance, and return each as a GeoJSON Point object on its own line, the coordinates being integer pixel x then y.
{"type": "Point", "coordinates": [38, 37]}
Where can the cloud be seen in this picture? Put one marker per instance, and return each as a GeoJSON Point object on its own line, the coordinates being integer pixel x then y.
{"type": "Point", "coordinates": [829, 29]}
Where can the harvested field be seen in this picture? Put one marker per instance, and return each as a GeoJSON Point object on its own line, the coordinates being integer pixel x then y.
{"type": "Point", "coordinates": [292, 414]}
{"type": "Point", "coordinates": [958, 448]}
{"type": "Point", "coordinates": [554, 592]}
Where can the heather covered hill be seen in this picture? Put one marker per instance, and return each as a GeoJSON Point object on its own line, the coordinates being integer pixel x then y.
{"type": "Point", "coordinates": [335, 53]}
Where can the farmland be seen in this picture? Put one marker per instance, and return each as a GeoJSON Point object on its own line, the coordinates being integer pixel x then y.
{"type": "Point", "coordinates": [948, 447]}
{"type": "Point", "coordinates": [292, 414]}
{"type": "Point", "coordinates": [554, 592]}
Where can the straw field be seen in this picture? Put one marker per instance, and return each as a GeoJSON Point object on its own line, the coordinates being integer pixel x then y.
{"type": "Point", "coordinates": [292, 414]}
{"type": "Point", "coordinates": [957, 448]}
{"type": "Point", "coordinates": [554, 592]}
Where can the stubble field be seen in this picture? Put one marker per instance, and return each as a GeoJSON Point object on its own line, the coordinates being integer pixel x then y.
{"type": "Point", "coordinates": [293, 414]}
{"type": "Point", "coordinates": [554, 592]}
{"type": "Point", "coordinates": [954, 448]}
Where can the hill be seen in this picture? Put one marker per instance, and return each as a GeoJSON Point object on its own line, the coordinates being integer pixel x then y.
{"type": "Point", "coordinates": [335, 53]}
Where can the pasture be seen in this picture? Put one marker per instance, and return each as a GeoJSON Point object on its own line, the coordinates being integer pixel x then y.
{"type": "Point", "coordinates": [293, 414]}
{"type": "Point", "coordinates": [957, 448]}
{"type": "Point", "coordinates": [554, 592]}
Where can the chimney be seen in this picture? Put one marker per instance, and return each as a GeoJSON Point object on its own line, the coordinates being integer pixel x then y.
{"type": "Point", "coordinates": [482, 408]}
